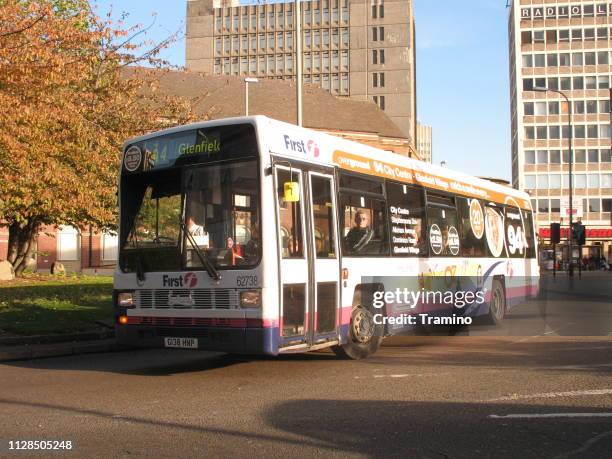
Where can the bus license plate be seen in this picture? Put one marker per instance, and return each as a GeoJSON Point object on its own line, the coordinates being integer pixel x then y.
{"type": "Point", "coordinates": [182, 343]}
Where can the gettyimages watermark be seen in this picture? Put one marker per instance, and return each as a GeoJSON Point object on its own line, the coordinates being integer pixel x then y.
{"type": "Point", "coordinates": [405, 297]}
{"type": "Point", "coordinates": [492, 302]}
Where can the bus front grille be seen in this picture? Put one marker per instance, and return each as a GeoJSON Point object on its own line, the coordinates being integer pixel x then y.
{"type": "Point", "coordinates": [187, 299]}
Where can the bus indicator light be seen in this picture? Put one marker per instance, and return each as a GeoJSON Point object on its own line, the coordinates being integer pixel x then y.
{"type": "Point", "coordinates": [123, 320]}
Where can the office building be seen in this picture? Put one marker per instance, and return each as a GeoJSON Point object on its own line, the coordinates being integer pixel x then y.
{"type": "Point", "coordinates": [563, 46]}
{"type": "Point", "coordinates": [424, 142]}
{"type": "Point", "coordinates": [354, 48]}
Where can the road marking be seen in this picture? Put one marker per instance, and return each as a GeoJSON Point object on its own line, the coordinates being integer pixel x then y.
{"type": "Point", "coordinates": [572, 393]}
{"type": "Point", "coordinates": [550, 415]}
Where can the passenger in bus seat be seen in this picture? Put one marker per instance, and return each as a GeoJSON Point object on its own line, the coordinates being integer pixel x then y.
{"type": "Point", "coordinates": [360, 235]}
{"type": "Point", "coordinates": [200, 235]}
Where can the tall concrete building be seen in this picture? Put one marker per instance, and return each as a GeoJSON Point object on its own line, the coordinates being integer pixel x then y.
{"type": "Point", "coordinates": [424, 142]}
{"type": "Point", "coordinates": [357, 48]}
{"type": "Point", "coordinates": [563, 45]}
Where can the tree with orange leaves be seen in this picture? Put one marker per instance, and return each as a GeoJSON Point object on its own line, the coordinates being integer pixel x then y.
{"type": "Point", "coordinates": [67, 107]}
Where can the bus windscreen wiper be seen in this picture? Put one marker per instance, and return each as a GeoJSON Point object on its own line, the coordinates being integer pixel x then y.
{"type": "Point", "coordinates": [210, 268]}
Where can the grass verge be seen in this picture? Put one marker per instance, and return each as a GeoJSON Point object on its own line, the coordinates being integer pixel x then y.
{"type": "Point", "coordinates": [39, 304]}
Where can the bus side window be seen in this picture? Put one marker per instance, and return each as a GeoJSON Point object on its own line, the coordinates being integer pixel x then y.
{"type": "Point", "coordinates": [406, 214]}
{"type": "Point", "coordinates": [471, 215]}
{"type": "Point", "coordinates": [529, 236]}
{"type": "Point", "coordinates": [444, 238]}
{"type": "Point", "coordinates": [364, 226]}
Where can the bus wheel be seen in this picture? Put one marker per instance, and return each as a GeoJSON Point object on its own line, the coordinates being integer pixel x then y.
{"type": "Point", "coordinates": [365, 336]}
{"type": "Point", "coordinates": [497, 306]}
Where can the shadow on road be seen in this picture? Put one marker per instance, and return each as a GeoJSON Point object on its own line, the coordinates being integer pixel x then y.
{"type": "Point", "coordinates": [388, 429]}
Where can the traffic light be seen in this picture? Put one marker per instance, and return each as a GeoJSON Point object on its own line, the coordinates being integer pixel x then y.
{"type": "Point", "coordinates": [579, 233]}
{"type": "Point", "coordinates": [555, 233]}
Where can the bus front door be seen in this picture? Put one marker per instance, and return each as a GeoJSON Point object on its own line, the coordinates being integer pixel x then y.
{"type": "Point", "coordinates": [324, 259]}
{"type": "Point", "coordinates": [309, 259]}
{"type": "Point", "coordinates": [293, 260]}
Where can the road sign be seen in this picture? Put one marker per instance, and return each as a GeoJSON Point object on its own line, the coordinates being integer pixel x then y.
{"type": "Point", "coordinates": [577, 208]}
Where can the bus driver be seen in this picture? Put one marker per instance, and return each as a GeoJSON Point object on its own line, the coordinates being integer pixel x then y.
{"type": "Point", "coordinates": [360, 235]}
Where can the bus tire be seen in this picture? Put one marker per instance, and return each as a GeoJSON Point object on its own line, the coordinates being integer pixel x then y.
{"type": "Point", "coordinates": [365, 337]}
{"type": "Point", "coordinates": [497, 305]}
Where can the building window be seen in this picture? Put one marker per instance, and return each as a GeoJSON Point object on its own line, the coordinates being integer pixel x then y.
{"type": "Point", "coordinates": [344, 59]}
{"type": "Point", "coordinates": [530, 182]}
{"type": "Point", "coordinates": [374, 33]}
{"type": "Point", "coordinates": [375, 56]}
{"type": "Point", "coordinates": [529, 157]}
{"type": "Point", "coordinates": [345, 37]}
{"type": "Point", "coordinates": [590, 58]}
{"type": "Point", "coordinates": [542, 157]}
{"type": "Point", "coordinates": [345, 14]}
{"type": "Point", "coordinates": [381, 34]}
{"type": "Point", "coordinates": [553, 108]}
{"type": "Point", "coordinates": [538, 36]}
{"type": "Point", "coordinates": [280, 43]}
{"type": "Point", "coordinates": [555, 157]}
{"type": "Point", "coordinates": [542, 182]}
{"type": "Point", "coordinates": [375, 80]}
{"type": "Point", "coordinates": [555, 181]}
{"type": "Point", "coordinates": [555, 205]}
{"type": "Point", "coordinates": [68, 244]}
{"type": "Point", "coordinates": [335, 38]}
{"type": "Point", "coordinates": [564, 60]}
{"type": "Point", "coordinates": [539, 60]}
{"type": "Point", "coordinates": [344, 83]}
{"type": "Point", "coordinates": [527, 60]}
{"type": "Point", "coordinates": [335, 60]}
{"type": "Point", "coordinates": [325, 59]}
{"type": "Point", "coordinates": [602, 33]}
{"type": "Point", "coordinates": [325, 37]}
{"type": "Point", "coordinates": [603, 58]}
{"type": "Point", "coordinates": [307, 62]}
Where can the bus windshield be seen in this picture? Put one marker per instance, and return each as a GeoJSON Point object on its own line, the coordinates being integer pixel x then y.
{"type": "Point", "coordinates": [175, 217]}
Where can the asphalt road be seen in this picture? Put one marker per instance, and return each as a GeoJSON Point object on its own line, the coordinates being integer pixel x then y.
{"type": "Point", "coordinates": [535, 394]}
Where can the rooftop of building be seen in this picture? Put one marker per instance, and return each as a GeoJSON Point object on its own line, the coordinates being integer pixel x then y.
{"type": "Point", "coordinates": [224, 96]}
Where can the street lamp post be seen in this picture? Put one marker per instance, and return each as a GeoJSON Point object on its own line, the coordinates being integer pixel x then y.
{"type": "Point", "coordinates": [246, 94]}
{"type": "Point", "coordinates": [298, 59]}
{"type": "Point", "coordinates": [571, 161]}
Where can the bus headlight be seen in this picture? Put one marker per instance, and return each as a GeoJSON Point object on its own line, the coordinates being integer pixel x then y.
{"type": "Point", "coordinates": [250, 299]}
{"type": "Point", "coordinates": [125, 299]}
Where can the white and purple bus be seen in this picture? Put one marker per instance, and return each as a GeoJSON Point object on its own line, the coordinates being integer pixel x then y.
{"type": "Point", "coordinates": [249, 235]}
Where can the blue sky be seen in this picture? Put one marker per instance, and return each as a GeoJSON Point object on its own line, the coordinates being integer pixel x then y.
{"type": "Point", "coordinates": [462, 73]}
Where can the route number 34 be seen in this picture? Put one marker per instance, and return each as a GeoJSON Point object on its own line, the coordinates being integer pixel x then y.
{"type": "Point", "coordinates": [516, 240]}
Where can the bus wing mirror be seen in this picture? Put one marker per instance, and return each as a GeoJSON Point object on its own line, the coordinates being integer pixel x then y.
{"type": "Point", "coordinates": [292, 192]}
